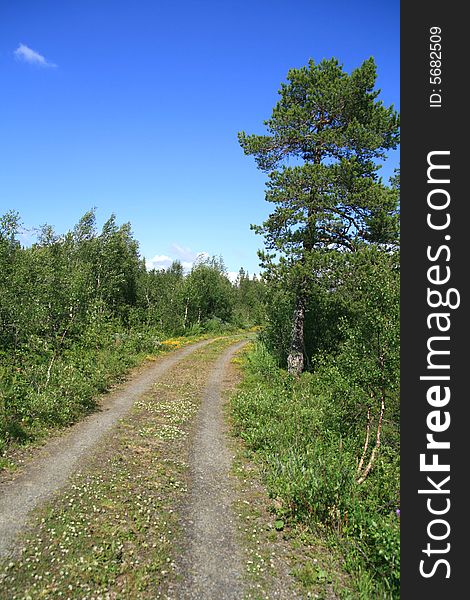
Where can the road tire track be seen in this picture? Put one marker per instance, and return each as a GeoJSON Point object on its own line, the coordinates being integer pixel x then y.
{"type": "Point", "coordinates": [211, 566]}
{"type": "Point", "coordinates": [60, 457]}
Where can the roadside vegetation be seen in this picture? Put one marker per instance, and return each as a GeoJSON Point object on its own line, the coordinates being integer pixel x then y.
{"type": "Point", "coordinates": [114, 531]}
{"type": "Point", "coordinates": [307, 436]}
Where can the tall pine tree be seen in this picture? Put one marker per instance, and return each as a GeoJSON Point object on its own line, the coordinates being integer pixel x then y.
{"type": "Point", "coordinates": [326, 136]}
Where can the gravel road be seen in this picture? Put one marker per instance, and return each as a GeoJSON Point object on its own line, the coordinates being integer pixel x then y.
{"type": "Point", "coordinates": [211, 564]}
{"type": "Point", "coordinates": [59, 458]}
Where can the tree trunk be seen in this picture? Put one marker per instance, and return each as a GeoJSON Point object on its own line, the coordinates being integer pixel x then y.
{"type": "Point", "coordinates": [295, 360]}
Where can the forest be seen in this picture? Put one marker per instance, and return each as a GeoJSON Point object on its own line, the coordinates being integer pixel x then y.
{"type": "Point", "coordinates": [319, 403]}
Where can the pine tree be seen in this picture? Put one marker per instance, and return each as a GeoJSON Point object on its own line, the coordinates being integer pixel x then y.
{"type": "Point", "coordinates": [333, 131]}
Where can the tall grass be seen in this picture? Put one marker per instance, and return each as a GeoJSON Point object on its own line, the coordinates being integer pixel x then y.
{"type": "Point", "coordinates": [310, 455]}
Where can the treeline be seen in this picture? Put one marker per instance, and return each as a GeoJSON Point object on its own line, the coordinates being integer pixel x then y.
{"type": "Point", "coordinates": [77, 309]}
{"type": "Point", "coordinates": [321, 405]}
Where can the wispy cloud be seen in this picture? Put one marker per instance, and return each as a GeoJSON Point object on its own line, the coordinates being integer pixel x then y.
{"type": "Point", "coordinates": [26, 54]}
{"type": "Point", "coordinates": [183, 253]}
{"type": "Point", "coordinates": [186, 256]}
{"type": "Point", "coordinates": [232, 275]}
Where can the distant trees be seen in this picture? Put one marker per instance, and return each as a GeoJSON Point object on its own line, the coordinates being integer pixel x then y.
{"type": "Point", "coordinates": [54, 288]}
{"type": "Point", "coordinates": [161, 298]}
{"type": "Point", "coordinates": [250, 305]}
{"type": "Point", "coordinates": [208, 294]}
{"type": "Point", "coordinates": [332, 129]}
{"type": "Point", "coordinates": [9, 264]}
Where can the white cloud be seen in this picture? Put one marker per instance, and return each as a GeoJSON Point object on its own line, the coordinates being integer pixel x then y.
{"type": "Point", "coordinates": [185, 256]}
{"type": "Point", "coordinates": [159, 261]}
{"type": "Point", "coordinates": [232, 275]}
{"type": "Point", "coordinates": [161, 258]}
{"type": "Point", "coordinates": [163, 261]}
{"type": "Point", "coordinates": [26, 54]}
{"type": "Point", "coordinates": [183, 253]}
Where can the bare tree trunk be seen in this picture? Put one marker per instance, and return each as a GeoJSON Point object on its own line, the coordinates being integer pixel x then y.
{"type": "Point", "coordinates": [375, 449]}
{"type": "Point", "coordinates": [366, 443]}
{"type": "Point", "coordinates": [295, 360]}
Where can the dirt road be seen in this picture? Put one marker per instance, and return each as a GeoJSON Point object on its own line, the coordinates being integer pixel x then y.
{"type": "Point", "coordinates": [148, 512]}
{"type": "Point", "coordinates": [59, 458]}
{"type": "Point", "coordinates": [142, 500]}
{"type": "Point", "coordinates": [211, 565]}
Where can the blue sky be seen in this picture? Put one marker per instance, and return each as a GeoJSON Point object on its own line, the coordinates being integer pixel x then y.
{"type": "Point", "coordinates": [134, 108]}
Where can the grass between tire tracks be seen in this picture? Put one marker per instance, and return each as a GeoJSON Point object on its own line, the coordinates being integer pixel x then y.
{"type": "Point", "coordinates": [111, 532]}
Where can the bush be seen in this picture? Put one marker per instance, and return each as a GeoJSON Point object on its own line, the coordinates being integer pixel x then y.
{"type": "Point", "coordinates": [217, 326]}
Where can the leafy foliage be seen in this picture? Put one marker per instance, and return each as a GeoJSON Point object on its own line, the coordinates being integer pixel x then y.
{"type": "Point", "coordinates": [334, 129]}
{"type": "Point", "coordinates": [330, 440]}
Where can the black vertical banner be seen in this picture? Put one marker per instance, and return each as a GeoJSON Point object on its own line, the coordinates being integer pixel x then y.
{"type": "Point", "coordinates": [435, 506]}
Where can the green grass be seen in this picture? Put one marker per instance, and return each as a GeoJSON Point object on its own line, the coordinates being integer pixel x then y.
{"type": "Point", "coordinates": [310, 472]}
{"type": "Point", "coordinates": [40, 392]}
